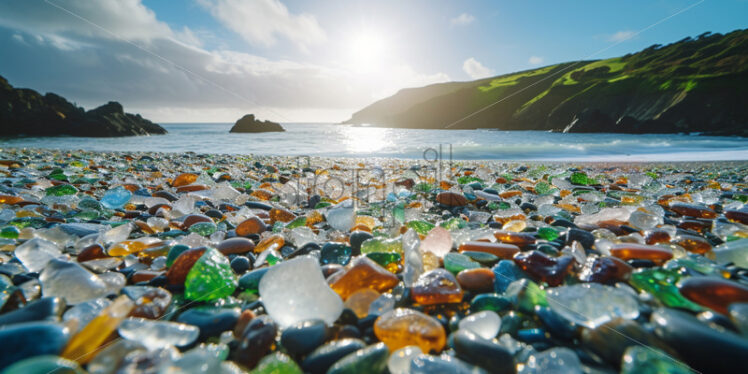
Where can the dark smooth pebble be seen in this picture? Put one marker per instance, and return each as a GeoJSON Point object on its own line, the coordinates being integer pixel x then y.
{"type": "Point", "coordinates": [356, 239]}
{"type": "Point", "coordinates": [256, 341]}
{"type": "Point", "coordinates": [557, 325]}
{"type": "Point", "coordinates": [304, 337]}
{"type": "Point", "coordinates": [704, 348]}
{"type": "Point", "coordinates": [47, 308]}
{"type": "Point", "coordinates": [563, 223]}
{"type": "Point", "coordinates": [240, 264]}
{"type": "Point", "coordinates": [320, 360]}
{"type": "Point", "coordinates": [586, 239]}
{"type": "Point", "coordinates": [211, 321]}
{"type": "Point", "coordinates": [251, 280]}
{"type": "Point", "coordinates": [29, 339]}
{"type": "Point", "coordinates": [257, 205]}
{"type": "Point", "coordinates": [484, 353]}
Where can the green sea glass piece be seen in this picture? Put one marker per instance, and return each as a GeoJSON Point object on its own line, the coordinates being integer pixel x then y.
{"type": "Point", "coordinates": [421, 227]}
{"type": "Point", "coordinates": [548, 233]}
{"type": "Point", "coordinates": [660, 283]}
{"type": "Point", "coordinates": [579, 178]}
{"type": "Point", "coordinates": [277, 363]}
{"type": "Point", "coordinates": [210, 278]}
{"type": "Point", "coordinates": [457, 262]}
{"type": "Point", "coordinates": [649, 360]}
{"type": "Point", "coordinates": [61, 190]}
{"type": "Point", "coordinates": [393, 245]}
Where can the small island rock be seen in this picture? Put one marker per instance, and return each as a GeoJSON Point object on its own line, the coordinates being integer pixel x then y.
{"type": "Point", "coordinates": [248, 123]}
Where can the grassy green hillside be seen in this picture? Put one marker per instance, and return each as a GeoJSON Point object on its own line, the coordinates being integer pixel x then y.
{"type": "Point", "coordinates": [694, 85]}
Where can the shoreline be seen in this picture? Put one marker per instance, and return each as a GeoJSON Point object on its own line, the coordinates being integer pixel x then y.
{"type": "Point", "coordinates": [380, 159]}
{"type": "Point", "coordinates": [360, 143]}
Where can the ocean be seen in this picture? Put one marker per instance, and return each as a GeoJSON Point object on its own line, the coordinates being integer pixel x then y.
{"type": "Point", "coordinates": [332, 140]}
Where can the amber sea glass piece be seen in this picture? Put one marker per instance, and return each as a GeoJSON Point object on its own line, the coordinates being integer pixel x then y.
{"type": "Point", "coordinates": [127, 247]}
{"type": "Point", "coordinates": [403, 327]}
{"type": "Point", "coordinates": [314, 217]}
{"type": "Point", "coordinates": [193, 219]}
{"type": "Point", "coordinates": [656, 236]}
{"type": "Point", "coordinates": [10, 199]}
{"type": "Point", "coordinates": [714, 293]}
{"type": "Point", "coordinates": [501, 250]}
{"type": "Point", "coordinates": [737, 216]}
{"type": "Point", "coordinates": [510, 194]}
{"type": "Point", "coordinates": [192, 188]}
{"type": "Point", "coordinates": [437, 286]}
{"type": "Point", "coordinates": [92, 252]}
{"type": "Point", "coordinates": [631, 251]}
{"type": "Point", "coordinates": [360, 301]}
{"type": "Point", "coordinates": [152, 252]}
{"type": "Point", "coordinates": [542, 268]}
{"type": "Point", "coordinates": [364, 273]}
{"type": "Point", "coordinates": [451, 199]}
{"type": "Point", "coordinates": [178, 271]}
{"type": "Point", "coordinates": [693, 243]}
{"type": "Point", "coordinates": [184, 179]}
{"type": "Point", "coordinates": [144, 275]}
{"type": "Point", "coordinates": [274, 242]}
{"type": "Point", "coordinates": [695, 224]}
{"type": "Point", "coordinates": [367, 221]}
{"type": "Point", "coordinates": [691, 210]}
{"type": "Point", "coordinates": [281, 215]}
{"type": "Point", "coordinates": [517, 238]}
{"type": "Point", "coordinates": [606, 270]}
{"type": "Point", "coordinates": [84, 345]}
{"type": "Point", "coordinates": [476, 280]}
{"type": "Point", "coordinates": [251, 225]}
{"type": "Point", "coordinates": [262, 194]}
{"type": "Point", "coordinates": [235, 246]}
{"type": "Point", "coordinates": [152, 304]}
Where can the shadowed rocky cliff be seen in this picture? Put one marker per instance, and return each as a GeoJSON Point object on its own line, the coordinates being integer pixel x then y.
{"type": "Point", "coordinates": [25, 112]}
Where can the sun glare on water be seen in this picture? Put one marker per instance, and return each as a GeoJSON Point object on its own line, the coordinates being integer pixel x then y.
{"type": "Point", "coordinates": [367, 139]}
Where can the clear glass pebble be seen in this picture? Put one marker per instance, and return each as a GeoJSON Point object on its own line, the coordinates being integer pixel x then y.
{"type": "Point", "coordinates": [158, 334]}
{"type": "Point", "coordinates": [295, 291]}
{"type": "Point", "coordinates": [485, 324]}
{"type": "Point", "coordinates": [592, 304]}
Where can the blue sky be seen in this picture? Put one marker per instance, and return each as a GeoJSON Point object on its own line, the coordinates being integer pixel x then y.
{"type": "Point", "coordinates": [292, 60]}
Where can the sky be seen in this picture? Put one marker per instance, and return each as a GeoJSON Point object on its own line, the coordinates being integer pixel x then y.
{"type": "Point", "coordinates": [314, 61]}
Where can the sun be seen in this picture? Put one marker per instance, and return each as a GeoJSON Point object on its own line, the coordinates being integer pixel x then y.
{"type": "Point", "coordinates": [367, 51]}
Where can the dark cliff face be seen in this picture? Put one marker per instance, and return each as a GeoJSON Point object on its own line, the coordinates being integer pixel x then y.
{"type": "Point", "coordinates": [25, 112]}
{"type": "Point", "coordinates": [694, 85]}
{"type": "Point", "coordinates": [248, 123]}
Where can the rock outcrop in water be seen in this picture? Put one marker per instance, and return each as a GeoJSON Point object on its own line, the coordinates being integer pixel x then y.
{"type": "Point", "coordinates": [693, 85]}
{"type": "Point", "coordinates": [25, 112]}
{"type": "Point", "coordinates": [248, 123]}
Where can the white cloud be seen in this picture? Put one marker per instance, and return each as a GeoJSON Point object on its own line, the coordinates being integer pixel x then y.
{"type": "Point", "coordinates": [622, 36]}
{"type": "Point", "coordinates": [19, 38]}
{"type": "Point", "coordinates": [263, 21]}
{"type": "Point", "coordinates": [535, 60]}
{"type": "Point", "coordinates": [167, 74]}
{"type": "Point", "coordinates": [475, 69]}
{"type": "Point", "coordinates": [462, 20]}
{"type": "Point", "coordinates": [113, 19]}
{"type": "Point", "coordinates": [403, 76]}
{"type": "Point", "coordinates": [231, 114]}
{"type": "Point", "coordinates": [189, 37]}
